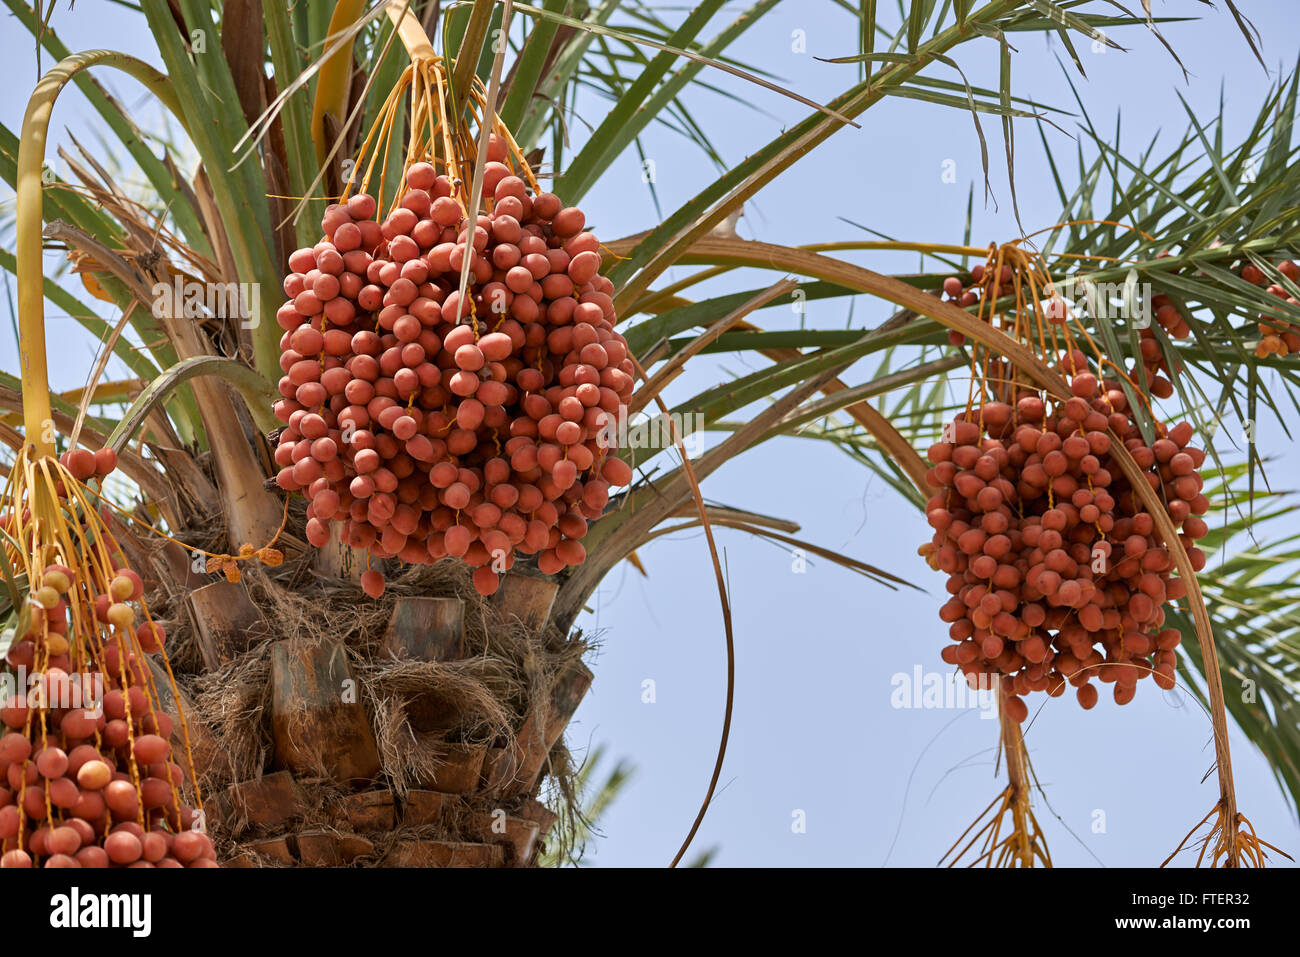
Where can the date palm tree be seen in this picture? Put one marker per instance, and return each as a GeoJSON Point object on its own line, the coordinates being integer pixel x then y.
{"type": "Point", "coordinates": [421, 728]}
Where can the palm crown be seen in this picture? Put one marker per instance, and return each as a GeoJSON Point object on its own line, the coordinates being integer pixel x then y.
{"type": "Point", "coordinates": [276, 101]}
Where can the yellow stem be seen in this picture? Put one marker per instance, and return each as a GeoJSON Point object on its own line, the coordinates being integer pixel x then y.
{"type": "Point", "coordinates": [37, 419]}
{"type": "Point", "coordinates": [335, 76]}
{"type": "Point", "coordinates": [409, 31]}
{"type": "Point", "coordinates": [376, 133]}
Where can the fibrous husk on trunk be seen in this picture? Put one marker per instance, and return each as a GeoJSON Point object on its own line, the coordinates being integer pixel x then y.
{"type": "Point", "coordinates": [422, 713]}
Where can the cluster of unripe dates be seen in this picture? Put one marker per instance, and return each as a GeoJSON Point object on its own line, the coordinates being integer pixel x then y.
{"type": "Point", "coordinates": [431, 426]}
{"type": "Point", "coordinates": [87, 773]}
{"type": "Point", "coordinates": [1057, 573]}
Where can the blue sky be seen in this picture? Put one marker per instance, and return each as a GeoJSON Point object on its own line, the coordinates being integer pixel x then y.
{"type": "Point", "coordinates": [815, 733]}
